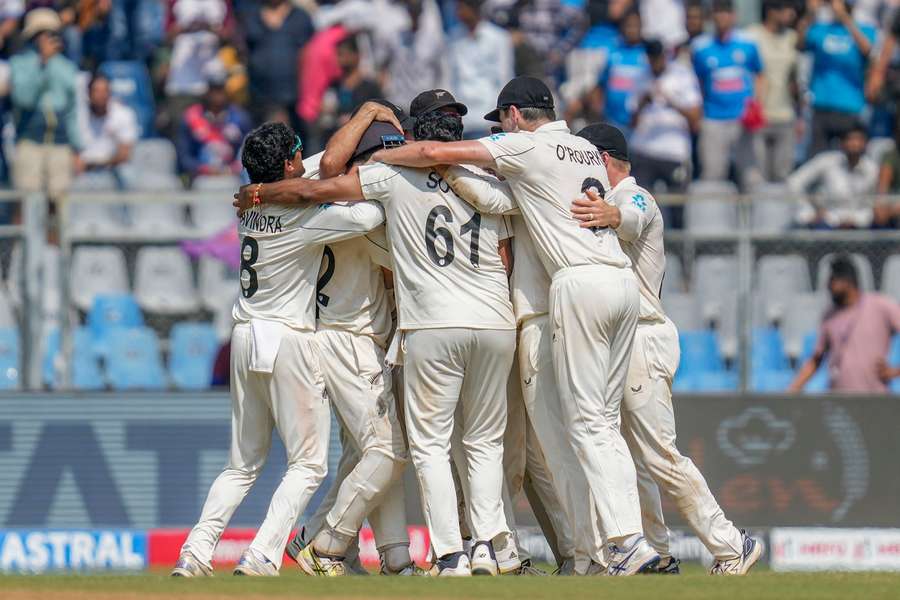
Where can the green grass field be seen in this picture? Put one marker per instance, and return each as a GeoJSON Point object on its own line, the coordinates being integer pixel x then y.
{"type": "Point", "coordinates": [692, 585]}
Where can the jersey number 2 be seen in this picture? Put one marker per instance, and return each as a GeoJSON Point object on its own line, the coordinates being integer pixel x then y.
{"type": "Point", "coordinates": [434, 231]}
{"type": "Point", "coordinates": [249, 255]}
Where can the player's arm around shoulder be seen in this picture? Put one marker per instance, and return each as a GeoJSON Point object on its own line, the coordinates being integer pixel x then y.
{"type": "Point", "coordinates": [430, 154]}
{"type": "Point", "coordinates": [300, 191]}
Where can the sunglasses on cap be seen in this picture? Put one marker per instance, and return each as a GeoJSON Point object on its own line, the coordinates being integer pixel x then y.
{"type": "Point", "coordinates": [298, 145]}
{"type": "Point", "coordinates": [393, 140]}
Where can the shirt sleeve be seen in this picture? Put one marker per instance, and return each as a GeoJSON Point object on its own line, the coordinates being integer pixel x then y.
{"type": "Point", "coordinates": [377, 245]}
{"type": "Point", "coordinates": [511, 152]}
{"type": "Point", "coordinates": [754, 63]}
{"type": "Point", "coordinates": [127, 127]}
{"type": "Point", "coordinates": [636, 210]}
{"type": "Point", "coordinates": [813, 35]}
{"type": "Point", "coordinates": [506, 229]}
{"type": "Point", "coordinates": [378, 180]}
{"type": "Point", "coordinates": [338, 222]}
{"type": "Point", "coordinates": [486, 195]}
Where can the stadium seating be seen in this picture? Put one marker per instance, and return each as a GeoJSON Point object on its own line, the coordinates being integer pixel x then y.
{"type": "Point", "coordinates": [802, 316]}
{"type": "Point", "coordinates": [215, 280]}
{"type": "Point", "coordinates": [772, 209]}
{"type": "Point", "coordinates": [767, 353]}
{"type": "Point", "coordinates": [159, 220]}
{"type": "Point", "coordinates": [779, 278]}
{"type": "Point", "coordinates": [163, 281]}
{"type": "Point", "coordinates": [85, 367]}
{"type": "Point", "coordinates": [134, 360]}
{"type": "Point", "coordinates": [154, 156]}
{"type": "Point", "coordinates": [192, 352]}
{"type": "Point", "coordinates": [95, 219]}
{"type": "Point", "coordinates": [715, 278]}
{"type": "Point", "coordinates": [148, 181]}
{"type": "Point", "coordinates": [9, 358]}
{"type": "Point", "coordinates": [130, 84]}
{"type": "Point", "coordinates": [890, 277]}
{"type": "Point", "coordinates": [212, 215]}
{"type": "Point", "coordinates": [863, 271]}
{"type": "Point", "coordinates": [95, 181]}
{"type": "Point", "coordinates": [683, 310]}
{"type": "Point", "coordinates": [771, 382]}
{"type": "Point", "coordinates": [216, 183]}
{"type": "Point", "coordinates": [109, 314]}
{"type": "Point", "coordinates": [711, 207]}
{"type": "Point", "coordinates": [96, 270]}
{"type": "Point", "coordinates": [7, 316]}
{"type": "Point", "coordinates": [700, 352]}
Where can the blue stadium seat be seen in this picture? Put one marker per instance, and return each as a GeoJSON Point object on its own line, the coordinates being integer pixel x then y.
{"type": "Point", "coordinates": [134, 360]}
{"type": "Point", "coordinates": [895, 385]}
{"type": "Point", "coordinates": [809, 345]}
{"type": "Point", "coordinates": [894, 352]}
{"type": "Point", "coordinates": [111, 312]}
{"type": "Point", "coordinates": [9, 358]}
{"type": "Point", "coordinates": [768, 350]}
{"type": "Point", "coordinates": [818, 383]}
{"type": "Point", "coordinates": [771, 381]}
{"type": "Point", "coordinates": [86, 373]}
{"type": "Point", "coordinates": [716, 381]}
{"type": "Point", "coordinates": [684, 382]}
{"type": "Point", "coordinates": [52, 345]}
{"type": "Point", "coordinates": [130, 84]}
{"type": "Point", "coordinates": [192, 352]}
{"type": "Point", "coordinates": [699, 352]}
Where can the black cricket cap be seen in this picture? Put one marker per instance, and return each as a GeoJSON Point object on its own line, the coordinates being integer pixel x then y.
{"type": "Point", "coordinates": [379, 135]}
{"type": "Point", "coordinates": [522, 92]}
{"type": "Point", "coordinates": [432, 100]}
{"type": "Point", "coordinates": [607, 139]}
{"type": "Point", "coordinates": [654, 48]}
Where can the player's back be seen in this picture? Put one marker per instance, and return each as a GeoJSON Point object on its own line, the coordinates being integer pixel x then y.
{"type": "Point", "coordinates": [546, 170]}
{"type": "Point", "coordinates": [448, 271]}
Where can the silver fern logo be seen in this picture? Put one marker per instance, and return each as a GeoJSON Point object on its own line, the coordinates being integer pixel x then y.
{"type": "Point", "coordinates": [754, 436]}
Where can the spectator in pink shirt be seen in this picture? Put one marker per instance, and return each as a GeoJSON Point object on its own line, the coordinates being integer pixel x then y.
{"type": "Point", "coordinates": [855, 335]}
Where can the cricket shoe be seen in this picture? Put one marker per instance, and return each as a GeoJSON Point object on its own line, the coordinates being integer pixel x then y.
{"type": "Point", "coordinates": [752, 551]}
{"type": "Point", "coordinates": [484, 561]}
{"type": "Point", "coordinates": [354, 567]}
{"type": "Point", "coordinates": [253, 564]}
{"type": "Point", "coordinates": [593, 569]}
{"type": "Point", "coordinates": [315, 565]}
{"type": "Point", "coordinates": [638, 558]}
{"type": "Point", "coordinates": [566, 569]}
{"type": "Point", "coordinates": [297, 544]}
{"type": "Point", "coordinates": [669, 566]}
{"type": "Point", "coordinates": [411, 570]}
{"type": "Point", "coordinates": [453, 565]}
{"type": "Point", "coordinates": [508, 560]}
{"type": "Point", "coordinates": [189, 566]}
{"type": "Point", "coordinates": [526, 569]}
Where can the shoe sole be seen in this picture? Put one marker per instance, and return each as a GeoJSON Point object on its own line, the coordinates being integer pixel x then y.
{"type": "Point", "coordinates": [484, 571]}
{"type": "Point", "coordinates": [305, 566]}
{"type": "Point", "coordinates": [649, 566]}
{"type": "Point", "coordinates": [180, 573]}
{"type": "Point", "coordinates": [509, 568]}
{"type": "Point", "coordinates": [758, 551]}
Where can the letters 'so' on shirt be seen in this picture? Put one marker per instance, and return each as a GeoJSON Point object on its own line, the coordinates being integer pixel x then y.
{"type": "Point", "coordinates": [448, 271]}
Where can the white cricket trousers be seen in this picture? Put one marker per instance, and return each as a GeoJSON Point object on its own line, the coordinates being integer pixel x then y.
{"type": "Point", "coordinates": [361, 390]}
{"type": "Point", "coordinates": [292, 399]}
{"type": "Point", "coordinates": [544, 406]}
{"type": "Point", "coordinates": [593, 312]}
{"type": "Point", "coordinates": [466, 368]}
{"type": "Point", "coordinates": [648, 424]}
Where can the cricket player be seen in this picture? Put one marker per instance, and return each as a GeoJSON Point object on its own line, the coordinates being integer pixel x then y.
{"type": "Point", "coordinates": [593, 302]}
{"type": "Point", "coordinates": [456, 342]}
{"type": "Point", "coordinates": [354, 323]}
{"type": "Point", "coordinates": [275, 368]}
{"type": "Point", "coordinates": [579, 542]}
{"type": "Point", "coordinates": [648, 419]}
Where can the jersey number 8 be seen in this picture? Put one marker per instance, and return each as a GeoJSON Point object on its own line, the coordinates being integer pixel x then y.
{"type": "Point", "coordinates": [434, 231]}
{"type": "Point", "coordinates": [249, 255]}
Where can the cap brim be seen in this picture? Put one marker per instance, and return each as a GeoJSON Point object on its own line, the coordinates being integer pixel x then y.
{"type": "Point", "coordinates": [408, 123]}
{"type": "Point", "coordinates": [493, 116]}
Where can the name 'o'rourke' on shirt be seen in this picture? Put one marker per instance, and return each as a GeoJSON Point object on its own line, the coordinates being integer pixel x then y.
{"type": "Point", "coordinates": [546, 170]}
{"type": "Point", "coordinates": [448, 271]}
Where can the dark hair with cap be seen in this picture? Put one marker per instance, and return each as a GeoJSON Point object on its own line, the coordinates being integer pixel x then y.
{"type": "Point", "coordinates": [524, 92]}
{"type": "Point", "coordinates": [438, 127]}
{"type": "Point", "coordinates": [265, 150]}
{"type": "Point", "coordinates": [377, 136]}
{"type": "Point", "coordinates": [654, 48]}
{"type": "Point", "coordinates": [842, 267]}
{"type": "Point", "coordinates": [855, 127]}
{"type": "Point", "coordinates": [606, 138]}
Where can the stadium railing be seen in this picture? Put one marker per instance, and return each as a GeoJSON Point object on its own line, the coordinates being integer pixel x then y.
{"type": "Point", "coordinates": [745, 289]}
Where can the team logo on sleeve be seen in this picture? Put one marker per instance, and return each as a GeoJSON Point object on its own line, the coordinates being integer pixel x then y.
{"type": "Point", "coordinates": [640, 202]}
{"type": "Point", "coordinates": [497, 136]}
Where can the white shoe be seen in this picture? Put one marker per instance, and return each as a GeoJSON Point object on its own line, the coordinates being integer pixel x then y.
{"type": "Point", "coordinates": [751, 553]}
{"type": "Point", "coordinates": [508, 559]}
{"type": "Point", "coordinates": [638, 558]}
{"type": "Point", "coordinates": [484, 561]}
{"type": "Point", "coordinates": [189, 566]}
{"type": "Point", "coordinates": [455, 565]}
{"type": "Point", "coordinates": [254, 565]}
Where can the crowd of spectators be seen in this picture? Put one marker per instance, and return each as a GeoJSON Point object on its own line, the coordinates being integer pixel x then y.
{"type": "Point", "coordinates": [792, 98]}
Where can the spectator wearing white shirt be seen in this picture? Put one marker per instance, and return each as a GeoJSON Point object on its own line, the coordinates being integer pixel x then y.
{"type": "Point", "coordinates": [416, 57]}
{"type": "Point", "coordinates": [481, 62]}
{"type": "Point", "coordinates": [842, 183]}
{"type": "Point", "coordinates": [669, 108]}
{"type": "Point", "coordinates": [109, 130]}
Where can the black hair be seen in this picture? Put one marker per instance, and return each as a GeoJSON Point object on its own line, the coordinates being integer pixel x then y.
{"type": "Point", "coordinates": [438, 126]}
{"type": "Point", "coordinates": [350, 44]}
{"type": "Point", "coordinates": [532, 113]}
{"type": "Point", "coordinates": [770, 5]}
{"type": "Point", "coordinates": [265, 150]}
{"type": "Point", "coordinates": [842, 267]}
{"type": "Point", "coordinates": [856, 127]}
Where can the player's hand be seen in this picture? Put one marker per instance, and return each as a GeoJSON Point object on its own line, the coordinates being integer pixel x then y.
{"type": "Point", "coordinates": [382, 113]}
{"type": "Point", "coordinates": [886, 372]}
{"type": "Point", "coordinates": [243, 199]}
{"type": "Point", "coordinates": [594, 211]}
{"type": "Point", "coordinates": [840, 10]}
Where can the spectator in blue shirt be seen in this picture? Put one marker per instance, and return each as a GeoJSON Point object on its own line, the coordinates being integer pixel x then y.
{"type": "Point", "coordinates": [840, 50]}
{"type": "Point", "coordinates": [625, 72]}
{"type": "Point", "coordinates": [728, 68]}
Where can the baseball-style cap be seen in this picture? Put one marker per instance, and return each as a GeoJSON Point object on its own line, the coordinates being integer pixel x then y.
{"type": "Point", "coordinates": [522, 92]}
{"type": "Point", "coordinates": [432, 100]}
{"type": "Point", "coordinates": [607, 139]}
{"type": "Point", "coordinates": [379, 135]}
